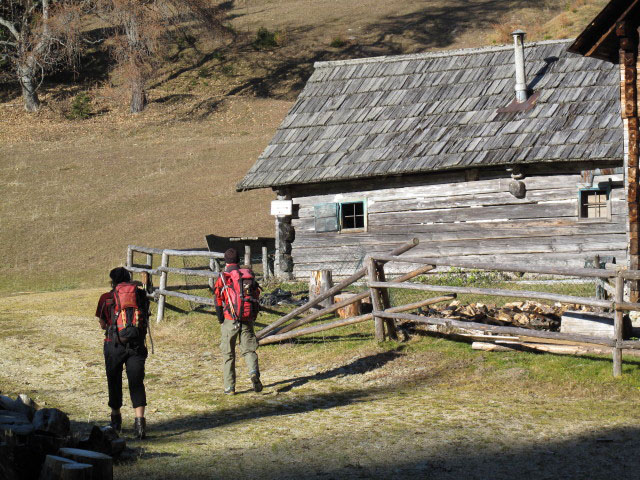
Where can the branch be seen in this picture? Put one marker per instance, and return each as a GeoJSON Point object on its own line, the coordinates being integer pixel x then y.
{"type": "Point", "coordinates": [8, 43]}
{"type": "Point", "coordinates": [11, 27]}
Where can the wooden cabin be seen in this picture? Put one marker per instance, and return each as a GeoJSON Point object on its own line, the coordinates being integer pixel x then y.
{"type": "Point", "coordinates": [456, 149]}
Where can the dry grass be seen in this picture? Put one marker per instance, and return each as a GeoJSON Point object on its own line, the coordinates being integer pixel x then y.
{"type": "Point", "coordinates": [73, 194]}
{"type": "Point", "coordinates": [342, 408]}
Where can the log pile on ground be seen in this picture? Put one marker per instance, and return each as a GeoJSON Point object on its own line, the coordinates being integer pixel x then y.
{"type": "Point", "coordinates": [533, 315]}
{"type": "Point", "coordinates": [37, 443]}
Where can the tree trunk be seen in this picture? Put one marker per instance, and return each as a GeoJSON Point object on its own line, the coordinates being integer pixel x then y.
{"type": "Point", "coordinates": [138, 95]}
{"type": "Point", "coordinates": [26, 76]}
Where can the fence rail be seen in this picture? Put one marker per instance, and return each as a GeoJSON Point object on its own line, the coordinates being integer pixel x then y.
{"type": "Point", "coordinates": [164, 270]}
{"type": "Point", "coordinates": [382, 312]}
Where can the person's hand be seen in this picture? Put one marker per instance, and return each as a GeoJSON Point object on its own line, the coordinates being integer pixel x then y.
{"type": "Point", "coordinates": [103, 324]}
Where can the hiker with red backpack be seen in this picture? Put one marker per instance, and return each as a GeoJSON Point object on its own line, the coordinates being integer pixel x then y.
{"type": "Point", "coordinates": [236, 294]}
{"type": "Point", "coordinates": [123, 313]}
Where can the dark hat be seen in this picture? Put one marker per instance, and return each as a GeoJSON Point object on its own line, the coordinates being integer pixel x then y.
{"type": "Point", "coordinates": [231, 256]}
{"type": "Point", "coordinates": [119, 275]}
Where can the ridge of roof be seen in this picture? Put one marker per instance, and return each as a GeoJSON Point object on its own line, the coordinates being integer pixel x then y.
{"type": "Point", "coordinates": [425, 55]}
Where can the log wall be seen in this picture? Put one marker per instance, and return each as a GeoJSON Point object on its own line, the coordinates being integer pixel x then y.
{"type": "Point", "coordinates": [458, 218]}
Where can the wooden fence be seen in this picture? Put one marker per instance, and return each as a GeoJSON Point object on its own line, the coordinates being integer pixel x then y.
{"type": "Point", "coordinates": [160, 293]}
{"type": "Point", "coordinates": [384, 316]}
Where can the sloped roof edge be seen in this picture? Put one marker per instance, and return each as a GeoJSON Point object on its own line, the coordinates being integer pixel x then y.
{"type": "Point", "coordinates": [427, 55]}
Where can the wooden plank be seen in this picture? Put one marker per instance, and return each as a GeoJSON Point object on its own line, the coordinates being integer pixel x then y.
{"type": "Point", "coordinates": [525, 268]}
{"type": "Point", "coordinates": [449, 233]}
{"type": "Point", "coordinates": [185, 296]}
{"type": "Point", "coordinates": [548, 210]}
{"type": "Point", "coordinates": [499, 329]}
{"type": "Point", "coordinates": [562, 244]}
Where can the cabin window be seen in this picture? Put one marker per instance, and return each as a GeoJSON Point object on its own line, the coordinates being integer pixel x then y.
{"type": "Point", "coordinates": [344, 216]}
{"type": "Point", "coordinates": [352, 215]}
{"type": "Point", "coordinates": [595, 204]}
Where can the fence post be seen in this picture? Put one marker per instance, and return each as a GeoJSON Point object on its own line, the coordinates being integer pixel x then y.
{"type": "Point", "coordinates": [375, 300]}
{"type": "Point", "coordinates": [265, 263]}
{"type": "Point", "coordinates": [150, 260]}
{"type": "Point", "coordinates": [247, 255]}
{"type": "Point", "coordinates": [386, 303]}
{"type": "Point", "coordinates": [163, 286]}
{"type": "Point", "coordinates": [618, 327]}
{"type": "Point", "coordinates": [129, 256]}
{"type": "Point", "coordinates": [213, 266]}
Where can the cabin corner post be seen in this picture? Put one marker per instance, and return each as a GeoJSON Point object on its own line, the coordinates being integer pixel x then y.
{"type": "Point", "coordinates": [628, 40]}
{"type": "Point", "coordinates": [283, 263]}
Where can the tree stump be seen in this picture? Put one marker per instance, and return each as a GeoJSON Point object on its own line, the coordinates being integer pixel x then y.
{"type": "Point", "coordinates": [348, 311]}
{"type": "Point", "coordinates": [52, 468]}
{"type": "Point", "coordinates": [319, 282]}
{"type": "Point", "coordinates": [102, 464]}
{"type": "Point", "coordinates": [76, 471]}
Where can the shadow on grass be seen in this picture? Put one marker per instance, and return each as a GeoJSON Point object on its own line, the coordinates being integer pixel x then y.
{"type": "Point", "coordinates": [599, 455]}
{"type": "Point", "coordinates": [287, 406]}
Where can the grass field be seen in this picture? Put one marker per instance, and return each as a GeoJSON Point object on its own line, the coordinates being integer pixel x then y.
{"type": "Point", "coordinates": [74, 193]}
{"type": "Point", "coordinates": [335, 405]}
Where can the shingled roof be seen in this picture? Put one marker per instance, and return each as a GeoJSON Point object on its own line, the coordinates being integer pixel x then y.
{"type": "Point", "coordinates": [439, 111]}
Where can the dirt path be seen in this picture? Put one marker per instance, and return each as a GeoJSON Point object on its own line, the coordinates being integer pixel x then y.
{"type": "Point", "coordinates": [340, 409]}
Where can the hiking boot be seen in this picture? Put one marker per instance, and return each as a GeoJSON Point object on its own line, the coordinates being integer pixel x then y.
{"type": "Point", "coordinates": [257, 384]}
{"type": "Point", "coordinates": [229, 391]}
{"type": "Point", "coordinates": [116, 422]}
{"type": "Point", "coordinates": [140, 427]}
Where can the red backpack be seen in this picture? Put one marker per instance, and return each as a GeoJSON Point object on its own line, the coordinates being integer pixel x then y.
{"type": "Point", "coordinates": [241, 293]}
{"type": "Point", "coordinates": [130, 313]}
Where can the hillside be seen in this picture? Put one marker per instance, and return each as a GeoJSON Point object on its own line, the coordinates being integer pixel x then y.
{"type": "Point", "coordinates": [76, 192]}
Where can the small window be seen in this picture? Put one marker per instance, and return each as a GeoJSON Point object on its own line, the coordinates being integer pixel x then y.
{"type": "Point", "coordinates": [594, 204]}
{"type": "Point", "coordinates": [352, 215]}
{"type": "Point", "coordinates": [336, 217]}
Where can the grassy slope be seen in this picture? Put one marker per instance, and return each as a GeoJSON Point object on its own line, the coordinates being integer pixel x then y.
{"type": "Point", "coordinates": [73, 194]}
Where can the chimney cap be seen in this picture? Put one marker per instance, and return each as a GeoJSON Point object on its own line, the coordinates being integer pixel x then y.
{"type": "Point", "coordinates": [519, 33]}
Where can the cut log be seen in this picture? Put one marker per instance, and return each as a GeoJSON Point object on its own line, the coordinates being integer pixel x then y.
{"type": "Point", "coordinates": [53, 466]}
{"type": "Point", "coordinates": [102, 464]}
{"type": "Point", "coordinates": [556, 349]}
{"type": "Point", "coordinates": [76, 471]}
{"type": "Point", "coordinates": [321, 282]}
{"type": "Point", "coordinates": [53, 421]}
{"type": "Point", "coordinates": [350, 310]}
{"type": "Point", "coordinates": [104, 440]}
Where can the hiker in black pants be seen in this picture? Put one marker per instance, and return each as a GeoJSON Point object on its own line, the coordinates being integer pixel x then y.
{"type": "Point", "coordinates": [121, 311]}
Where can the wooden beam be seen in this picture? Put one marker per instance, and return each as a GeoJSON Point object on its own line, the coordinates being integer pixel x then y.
{"type": "Point", "coordinates": [528, 294]}
{"type": "Point", "coordinates": [350, 321]}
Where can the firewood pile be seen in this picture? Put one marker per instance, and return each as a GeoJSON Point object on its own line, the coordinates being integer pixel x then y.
{"type": "Point", "coordinates": [528, 314]}
{"type": "Point", "coordinates": [38, 443]}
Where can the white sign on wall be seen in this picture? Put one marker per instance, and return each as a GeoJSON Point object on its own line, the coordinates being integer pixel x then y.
{"type": "Point", "coordinates": [281, 207]}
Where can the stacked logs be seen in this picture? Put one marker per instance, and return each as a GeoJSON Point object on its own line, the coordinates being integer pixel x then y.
{"type": "Point", "coordinates": [37, 443]}
{"type": "Point", "coordinates": [533, 315]}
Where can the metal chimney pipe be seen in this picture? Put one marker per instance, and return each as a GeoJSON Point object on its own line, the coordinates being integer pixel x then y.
{"type": "Point", "coordinates": [521, 81]}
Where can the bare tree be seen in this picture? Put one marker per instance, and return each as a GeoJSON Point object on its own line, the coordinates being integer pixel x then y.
{"type": "Point", "coordinates": [36, 36]}
{"type": "Point", "coordinates": [142, 25]}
